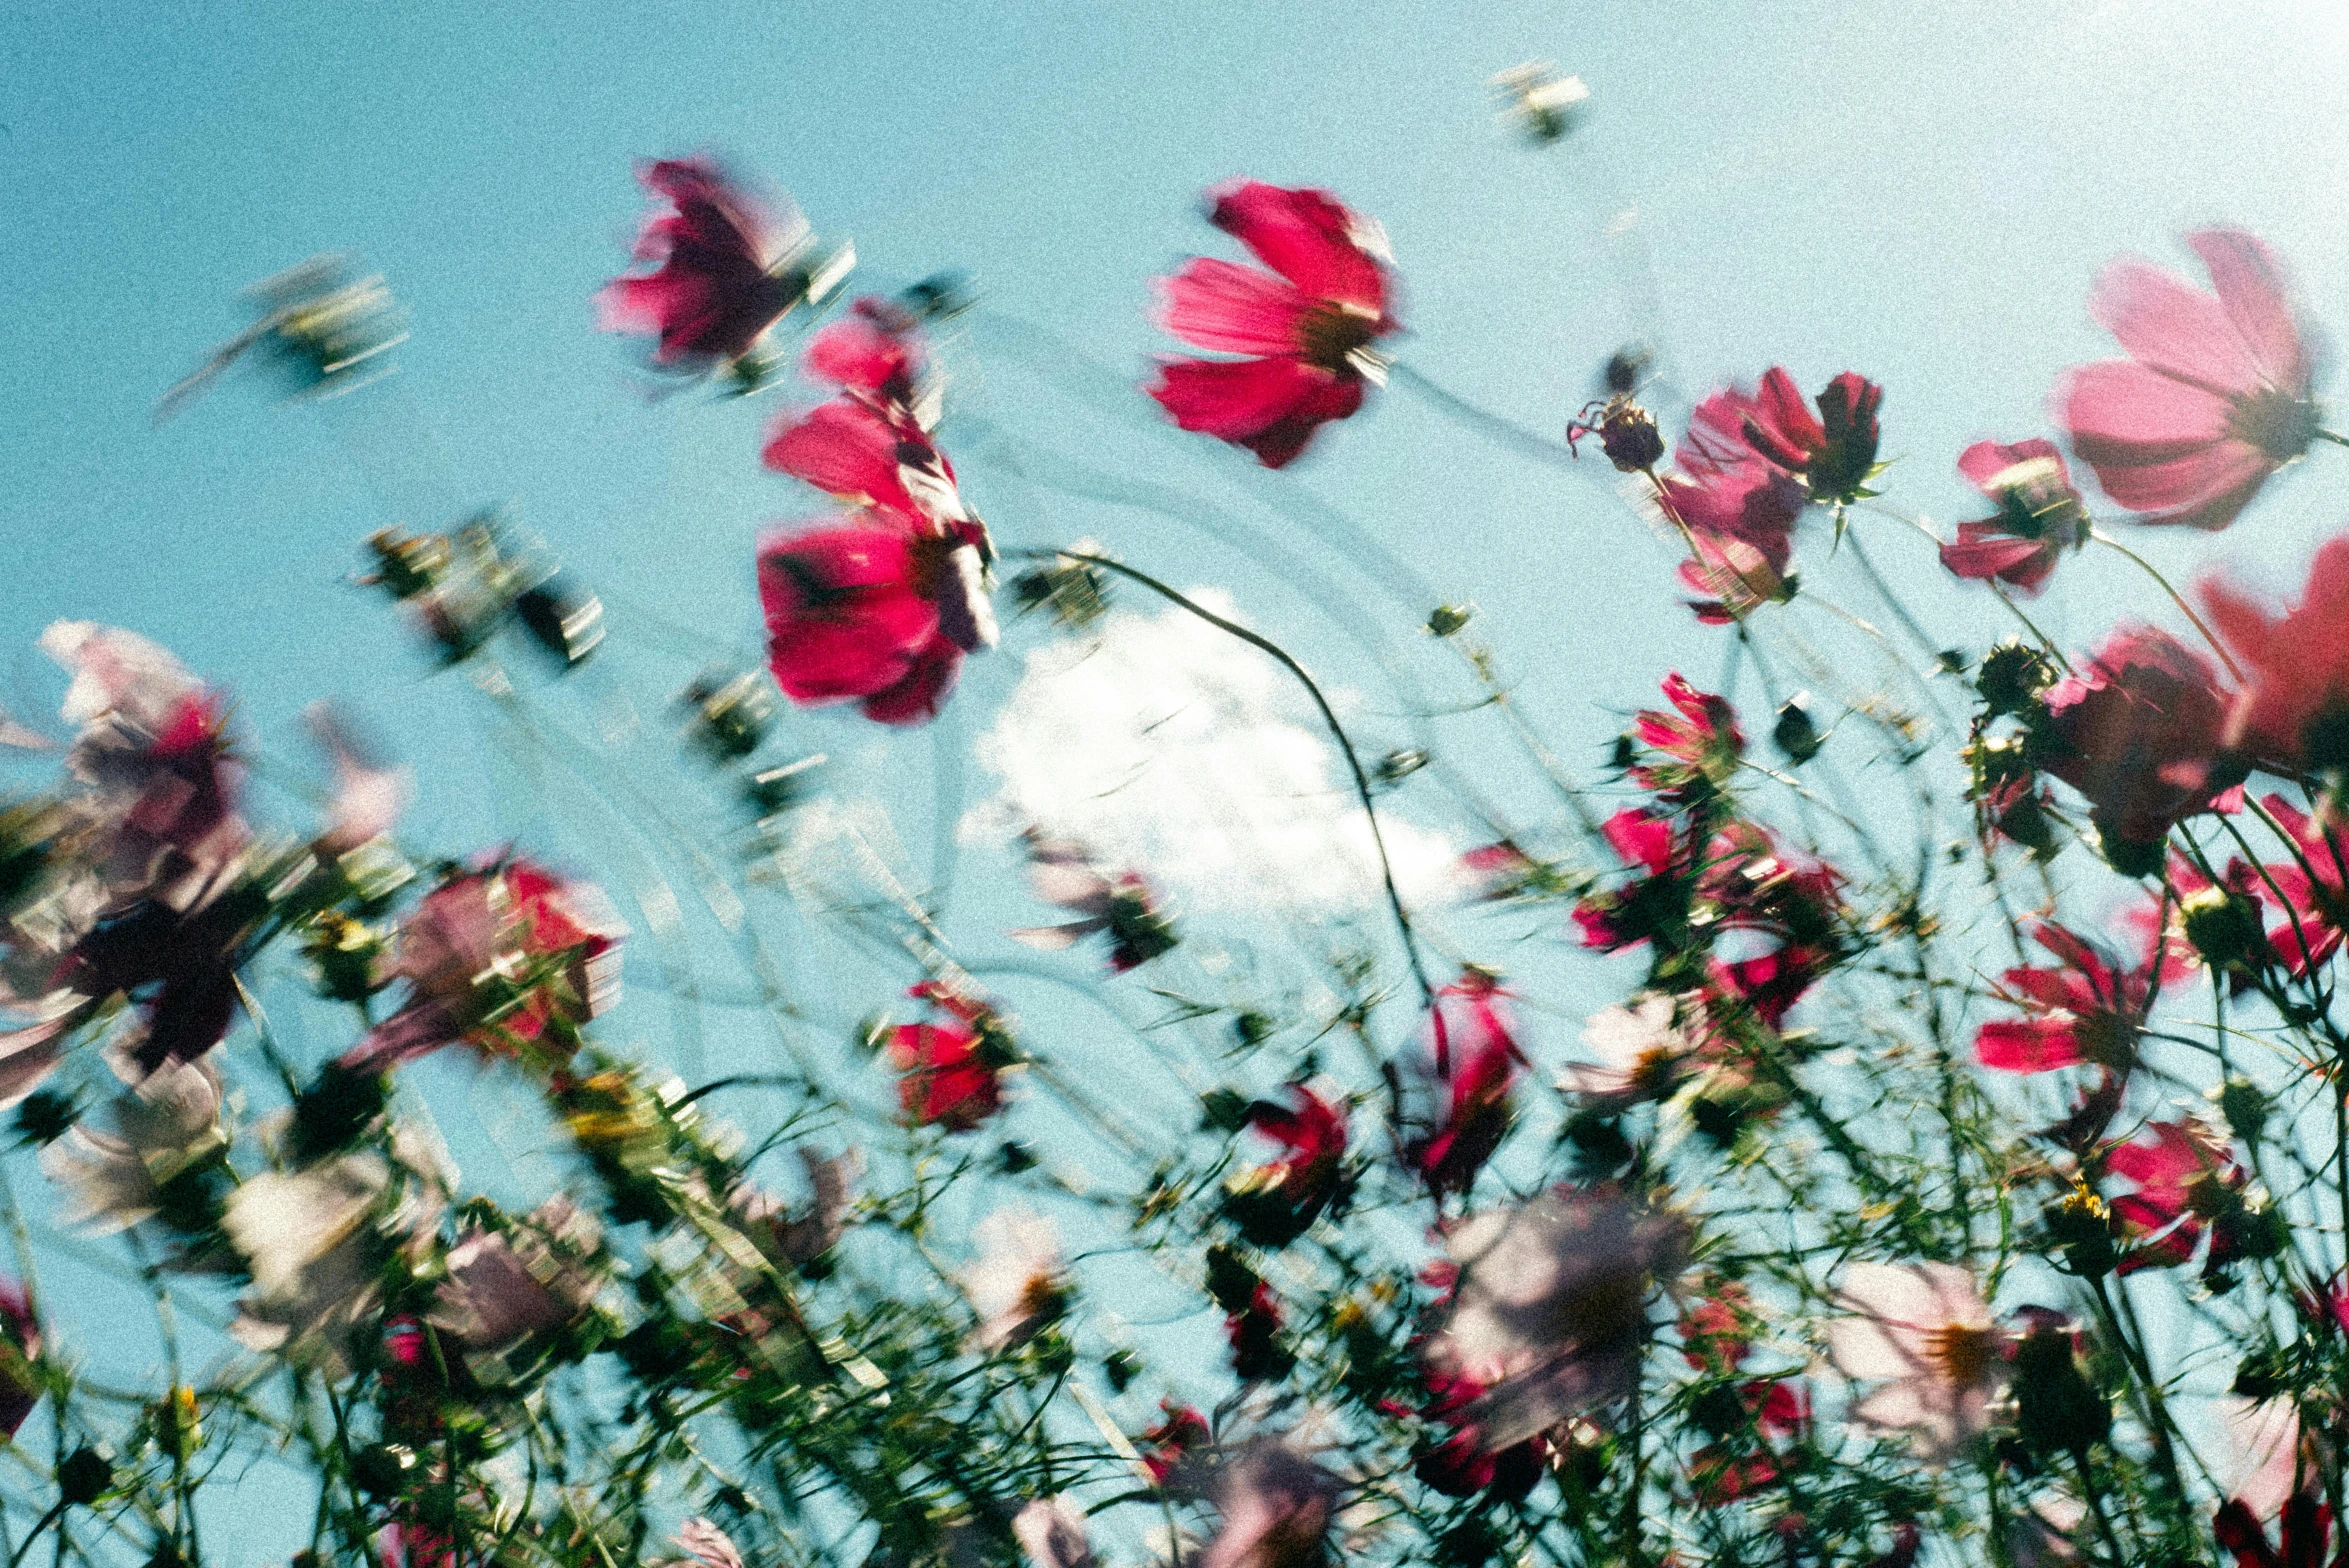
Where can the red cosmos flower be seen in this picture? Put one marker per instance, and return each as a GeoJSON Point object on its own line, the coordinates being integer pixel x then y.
{"type": "Point", "coordinates": [1833, 454]}
{"type": "Point", "coordinates": [2040, 515]}
{"type": "Point", "coordinates": [1758, 886]}
{"type": "Point", "coordinates": [1307, 332]}
{"type": "Point", "coordinates": [20, 1348]}
{"type": "Point", "coordinates": [497, 958]}
{"type": "Point", "coordinates": [1462, 1466]}
{"type": "Point", "coordinates": [2138, 730]}
{"type": "Point", "coordinates": [873, 612]}
{"type": "Point", "coordinates": [2184, 1178]}
{"type": "Point", "coordinates": [2306, 1531]}
{"type": "Point", "coordinates": [1168, 1444]}
{"type": "Point", "coordinates": [725, 273]}
{"type": "Point", "coordinates": [2293, 710]}
{"type": "Point", "coordinates": [1253, 1332]}
{"type": "Point", "coordinates": [1646, 840]}
{"type": "Point", "coordinates": [869, 447]}
{"type": "Point", "coordinates": [1716, 1331]}
{"type": "Point", "coordinates": [953, 1066]}
{"type": "Point", "coordinates": [1777, 1408]}
{"type": "Point", "coordinates": [1274, 1204]}
{"type": "Point", "coordinates": [2085, 1012]}
{"type": "Point", "coordinates": [1739, 515]}
{"type": "Point", "coordinates": [1475, 1065]}
{"type": "Point", "coordinates": [1700, 742]}
{"type": "Point", "coordinates": [2214, 396]}
{"type": "Point", "coordinates": [2315, 887]}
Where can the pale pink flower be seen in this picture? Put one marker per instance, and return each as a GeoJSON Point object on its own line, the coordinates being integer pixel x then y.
{"type": "Point", "coordinates": [2215, 394]}
{"type": "Point", "coordinates": [1019, 1283]}
{"type": "Point", "coordinates": [1051, 1532]}
{"type": "Point", "coordinates": [1640, 1049]}
{"type": "Point", "coordinates": [1275, 1505]}
{"type": "Point", "coordinates": [2264, 1442]}
{"type": "Point", "coordinates": [1924, 1329]}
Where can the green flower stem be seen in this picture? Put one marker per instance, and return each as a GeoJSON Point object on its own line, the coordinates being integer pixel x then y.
{"type": "Point", "coordinates": [2176, 598]}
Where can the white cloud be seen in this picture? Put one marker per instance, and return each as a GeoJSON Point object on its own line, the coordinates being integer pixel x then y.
{"type": "Point", "coordinates": [1171, 748]}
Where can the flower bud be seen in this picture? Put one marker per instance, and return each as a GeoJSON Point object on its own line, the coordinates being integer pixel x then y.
{"type": "Point", "coordinates": [2223, 925]}
{"type": "Point", "coordinates": [1446, 619]}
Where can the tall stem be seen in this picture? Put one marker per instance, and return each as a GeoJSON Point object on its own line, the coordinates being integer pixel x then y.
{"type": "Point", "coordinates": [2176, 598]}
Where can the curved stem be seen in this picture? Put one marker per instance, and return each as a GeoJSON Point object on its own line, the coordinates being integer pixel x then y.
{"type": "Point", "coordinates": [2150, 570]}
{"type": "Point", "coordinates": [1329, 719]}
{"type": "Point", "coordinates": [1494, 427]}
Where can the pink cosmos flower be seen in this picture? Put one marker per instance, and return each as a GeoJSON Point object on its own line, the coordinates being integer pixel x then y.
{"type": "Point", "coordinates": [2293, 710]}
{"type": "Point", "coordinates": [20, 1349]}
{"type": "Point", "coordinates": [2040, 515]}
{"type": "Point", "coordinates": [2314, 883]}
{"type": "Point", "coordinates": [727, 268]}
{"type": "Point", "coordinates": [2214, 396]}
{"type": "Point", "coordinates": [1926, 1331]}
{"type": "Point", "coordinates": [1306, 332]}
{"type": "Point", "coordinates": [1275, 1203]}
{"type": "Point", "coordinates": [1549, 1312]}
{"type": "Point", "coordinates": [2087, 1011]}
{"type": "Point", "coordinates": [2264, 1479]}
{"type": "Point", "coordinates": [1051, 1533]}
{"type": "Point", "coordinates": [1699, 743]}
{"type": "Point", "coordinates": [1275, 1506]}
{"type": "Point", "coordinates": [1019, 1282]}
{"type": "Point", "coordinates": [951, 1066]}
{"type": "Point", "coordinates": [871, 612]}
{"type": "Point", "coordinates": [1832, 454]}
{"type": "Point", "coordinates": [2188, 1185]}
{"type": "Point", "coordinates": [504, 1286]}
{"type": "Point", "coordinates": [1738, 513]}
{"type": "Point", "coordinates": [2139, 730]}
{"type": "Point", "coordinates": [1119, 903]}
{"type": "Point", "coordinates": [503, 958]}
{"type": "Point", "coordinates": [1475, 1058]}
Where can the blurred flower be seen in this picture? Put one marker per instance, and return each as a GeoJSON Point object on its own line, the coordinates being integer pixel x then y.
{"type": "Point", "coordinates": [797, 1240]}
{"type": "Point", "coordinates": [20, 1350]}
{"type": "Point", "coordinates": [314, 1241]}
{"type": "Point", "coordinates": [1252, 1328]}
{"type": "Point", "coordinates": [2086, 1012]}
{"type": "Point", "coordinates": [951, 1067]}
{"type": "Point", "coordinates": [2263, 1462]}
{"type": "Point", "coordinates": [1307, 332]}
{"type": "Point", "coordinates": [1463, 1464]}
{"type": "Point", "coordinates": [1540, 103]}
{"type": "Point", "coordinates": [1167, 1446]}
{"type": "Point", "coordinates": [707, 1545]}
{"type": "Point", "coordinates": [871, 611]}
{"type": "Point", "coordinates": [2188, 1185]}
{"type": "Point", "coordinates": [325, 327]}
{"type": "Point", "coordinates": [2214, 396]}
{"type": "Point", "coordinates": [1275, 1506]}
{"type": "Point", "coordinates": [1695, 749]}
{"type": "Point", "coordinates": [368, 795]}
{"type": "Point", "coordinates": [1474, 1057]}
{"type": "Point", "coordinates": [1550, 1309]}
{"type": "Point", "coordinates": [1641, 1050]}
{"type": "Point", "coordinates": [1736, 512]}
{"type": "Point", "coordinates": [1120, 903]}
{"type": "Point", "coordinates": [2040, 515]}
{"type": "Point", "coordinates": [2293, 711]}
{"type": "Point", "coordinates": [503, 958]}
{"type": "Point", "coordinates": [2313, 884]}
{"type": "Point", "coordinates": [1834, 454]}
{"type": "Point", "coordinates": [1275, 1203]}
{"type": "Point", "coordinates": [1925, 1329]}
{"type": "Point", "coordinates": [728, 270]}
{"type": "Point", "coordinates": [1019, 1284]}
{"type": "Point", "coordinates": [2137, 729]}
{"type": "Point", "coordinates": [528, 1278]}
{"type": "Point", "coordinates": [153, 745]}
{"type": "Point", "coordinates": [1051, 1533]}
{"type": "Point", "coordinates": [167, 1124]}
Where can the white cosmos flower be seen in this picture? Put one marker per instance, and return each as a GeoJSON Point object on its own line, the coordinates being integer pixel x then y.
{"type": "Point", "coordinates": [1018, 1283]}
{"type": "Point", "coordinates": [1926, 1331]}
{"type": "Point", "coordinates": [1639, 1048]}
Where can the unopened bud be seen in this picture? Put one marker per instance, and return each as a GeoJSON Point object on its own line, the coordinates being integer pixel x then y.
{"type": "Point", "coordinates": [2223, 925]}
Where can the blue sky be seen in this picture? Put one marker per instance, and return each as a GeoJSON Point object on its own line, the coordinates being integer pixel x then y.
{"type": "Point", "coordinates": [1920, 193]}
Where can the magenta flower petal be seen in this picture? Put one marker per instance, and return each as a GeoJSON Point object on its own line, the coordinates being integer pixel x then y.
{"type": "Point", "coordinates": [1231, 309]}
{"type": "Point", "coordinates": [1308, 237]}
{"type": "Point", "coordinates": [845, 449]}
{"type": "Point", "coordinates": [2172, 328]}
{"type": "Point", "coordinates": [1270, 406]}
{"type": "Point", "coordinates": [2258, 302]}
{"type": "Point", "coordinates": [843, 617]}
